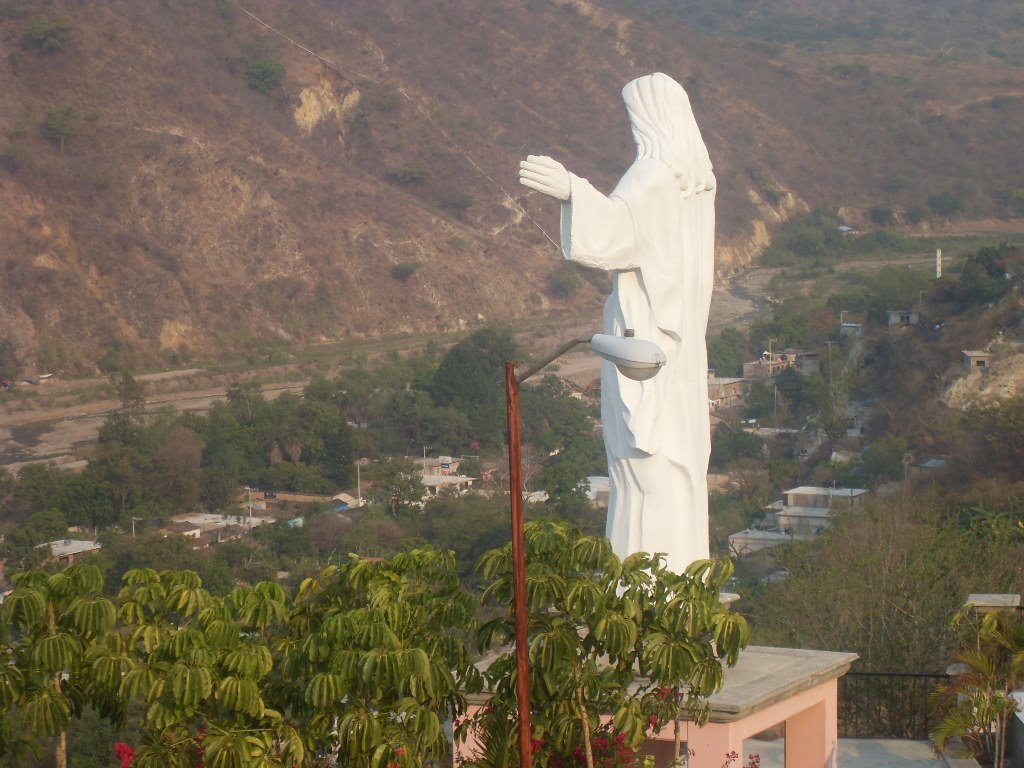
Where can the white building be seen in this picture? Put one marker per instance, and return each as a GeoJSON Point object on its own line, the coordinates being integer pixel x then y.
{"type": "Point", "coordinates": [809, 509]}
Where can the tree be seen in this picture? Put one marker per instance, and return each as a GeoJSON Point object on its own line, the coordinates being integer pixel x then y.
{"type": "Point", "coordinates": [891, 573]}
{"type": "Point", "coordinates": [471, 378]}
{"type": "Point", "coordinates": [46, 35]}
{"type": "Point", "coordinates": [596, 623]}
{"type": "Point", "coordinates": [1001, 425]}
{"type": "Point", "coordinates": [126, 422]}
{"type": "Point", "coordinates": [396, 485]}
{"type": "Point", "coordinates": [946, 203]}
{"type": "Point", "coordinates": [727, 352]}
{"type": "Point", "coordinates": [373, 661]}
{"type": "Point", "coordinates": [120, 469]}
{"type": "Point", "coordinates": [60, 124]}
{"type": "Point", "coordinates": [10, 363]}
{"type": "Point", "coordinates": [263, 74]}
{"type": "Point", "coordinates": [977, 704]}
{"type": "Point", "coordinates": [53, 619]}
{"type": "Point", "coordinates": [175, 476]}
{"type": "Point", "coordinates": [882, 215]}
{"type": "Point", "coordinates": [884, 458]}
{"type": "Point", "coordinates": [731, 442]}
{"type": "Point", "coordinates": [190, 658]}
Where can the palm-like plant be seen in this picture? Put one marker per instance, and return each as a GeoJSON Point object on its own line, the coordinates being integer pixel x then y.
{"type": "Point", "coordinates": [976, 705]}
{"type": "Point", "coordinates": [51, 619]}
{"type": "Point", "coordinates": [604, 635]}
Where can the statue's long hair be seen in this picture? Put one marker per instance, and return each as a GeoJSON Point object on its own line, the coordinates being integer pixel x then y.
{"type": "Point", "coordinates": [664, 128]}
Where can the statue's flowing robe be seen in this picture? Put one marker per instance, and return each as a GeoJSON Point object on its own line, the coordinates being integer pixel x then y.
{"type": "Point", "coordinates": [658, 243]}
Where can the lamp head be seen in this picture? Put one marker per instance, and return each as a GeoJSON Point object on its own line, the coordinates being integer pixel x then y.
{"type": "Point", "coordinates": [636, 359]}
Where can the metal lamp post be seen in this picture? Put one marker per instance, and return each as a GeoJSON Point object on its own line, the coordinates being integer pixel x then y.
{"type": "Point", "coordinates": [636, 359]}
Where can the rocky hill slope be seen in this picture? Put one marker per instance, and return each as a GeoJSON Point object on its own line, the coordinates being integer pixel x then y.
{"type": "Point", "coordinates": [178, 181]}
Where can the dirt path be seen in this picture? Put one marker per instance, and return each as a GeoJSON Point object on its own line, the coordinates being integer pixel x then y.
{"type": "Point", "coordinates": [61, 434]}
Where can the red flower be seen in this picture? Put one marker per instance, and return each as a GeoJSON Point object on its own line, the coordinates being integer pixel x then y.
{"type": "Point", "coordinates": [400, 751]}
{"type": "Point", "coordinates": [124, 753]}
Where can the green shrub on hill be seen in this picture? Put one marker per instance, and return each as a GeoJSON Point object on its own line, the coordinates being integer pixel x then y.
{"type": "Point", "coordinates": [46, 35]}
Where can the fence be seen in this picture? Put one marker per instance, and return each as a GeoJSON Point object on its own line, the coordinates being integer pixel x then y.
{"type": "Point", "coordinates": [885, 705]}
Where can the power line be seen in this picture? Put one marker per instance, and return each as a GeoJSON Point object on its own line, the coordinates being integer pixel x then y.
{"type": "Point", "coordinates": [426, 116]}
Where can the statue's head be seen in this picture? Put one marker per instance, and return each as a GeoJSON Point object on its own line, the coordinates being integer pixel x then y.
{"type": "Point", "coordinates": [664, 128]}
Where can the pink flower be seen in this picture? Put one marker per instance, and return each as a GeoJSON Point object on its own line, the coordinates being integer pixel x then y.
{"type": "Point", "coordinates": [124, 753]}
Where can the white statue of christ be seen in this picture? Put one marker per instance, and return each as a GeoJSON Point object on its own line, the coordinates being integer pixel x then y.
{"type": "Point", "coordinates": [656, 234]}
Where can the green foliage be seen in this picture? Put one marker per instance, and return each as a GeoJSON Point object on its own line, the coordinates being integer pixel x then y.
{"type": "Point", "coordinates": [396, 486]}
{"type": "Point", "coordinates": [46, 35]}
{"type": "Point", "coordinates": [916, 213]}
{"type": "Point", "coordinates": [884, 458]}
{"type": "Point", "coordinates": [983, 277]}
{"type": "Point", "coordinates": [977, 705]}
{"type": "Point", "coordinates": [471, 378]}
{"type": "Point", "coordinates": [812, 237]}
{"type": "Point", "coordinates": [458, 202]}
{"type": "Point", "coordinates": [263, 74]}
{"type": "Point", "coordinates": [405, 269]}
{"type": "Point", "coordinates": [598, 626]}
{"type": "Point", "coordinates": [727, 352]}
{"type": "Point", "coordinates": [10, 362]}
{"type": "Point", "coordinates": [893, 573]}
{"type": "Point", "coordinates": [12, 158]}
{"type": "Point", "coordinates": [563, 282]}
{"type": "Point", "coordinates": [873, 295]}
{"type": "Point", "coordinates": [730, 442]}
{"type": "Point", "coordinates": [51, 619]}
{"type": "Point", "coordinates": [946, 204]}
{"type": "Point", "coordinates": [60, 124]}
{"type": "Point", "coordinates": [1011, 200]}
{"type": "Point", "coordinates": [1001, 425]}
{"type": "Point", "coordinates": [882, 216]}
{"type": "Point", "coordinates": [406, 176]}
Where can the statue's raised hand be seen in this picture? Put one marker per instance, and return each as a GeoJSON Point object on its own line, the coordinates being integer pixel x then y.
{"type": "Point", "coordinates": [545, 175]}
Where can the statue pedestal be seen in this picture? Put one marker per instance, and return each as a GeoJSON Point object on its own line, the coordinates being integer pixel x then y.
{"type": "Point", "coordinates": [768, 687]}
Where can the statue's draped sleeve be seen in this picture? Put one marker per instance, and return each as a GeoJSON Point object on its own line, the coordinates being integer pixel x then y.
{"type": "Point", "coordinates": [604, 232]}
{"type": "Point", "coordinates": [596, 230]}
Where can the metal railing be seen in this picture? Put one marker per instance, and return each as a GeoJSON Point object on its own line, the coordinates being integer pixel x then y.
{"type": "Point", "coordinates": [885, 705]}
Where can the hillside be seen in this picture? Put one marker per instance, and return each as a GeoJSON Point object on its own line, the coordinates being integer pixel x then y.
{"type": "Point", "coordinates": [156, 208]}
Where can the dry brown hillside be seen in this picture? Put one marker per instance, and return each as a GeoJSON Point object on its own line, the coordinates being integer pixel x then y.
{"type": "Point", "coordinates": [155, 207]}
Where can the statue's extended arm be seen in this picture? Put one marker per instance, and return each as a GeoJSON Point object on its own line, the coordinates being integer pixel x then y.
{"type": "Point", "coordinates": [545, 175]}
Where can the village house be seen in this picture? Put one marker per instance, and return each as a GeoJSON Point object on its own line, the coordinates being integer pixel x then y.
{"type": "Point", "coordinates": [183, 528]}
{"type": "Point", "coordinates": [434, 484]}
{"type": "Point", "coordinates": [898, 317]}
{"type": "Point", "coordinates": [977, 360]}
{"type": "Point", "coordinates": [67, 551]}
{"type": "Point", "coordinates": [724, 392]}
{"type": "Point", "coordinates": [808, 510]}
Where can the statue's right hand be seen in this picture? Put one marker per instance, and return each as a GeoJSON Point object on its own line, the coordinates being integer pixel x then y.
{"type": "Point", "coordinates": [545, 175]}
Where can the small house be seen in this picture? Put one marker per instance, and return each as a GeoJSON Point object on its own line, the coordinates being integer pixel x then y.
{"type": "Point", "coordinates": [851, 329]}
{"type": "Point", "coordinates": [183, 528]}
{"type": "Point", "coordinates": [67, 551]}
{"type": "Point", "coordinates": [724, 392]}
{"type": "Point", "coordinates": [976, 360]}
{"type": "Point", "coordinates": [898, 317]}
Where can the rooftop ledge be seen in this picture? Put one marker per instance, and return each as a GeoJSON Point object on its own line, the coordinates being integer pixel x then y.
{"type": "Point", "coordinates": [764, 676]}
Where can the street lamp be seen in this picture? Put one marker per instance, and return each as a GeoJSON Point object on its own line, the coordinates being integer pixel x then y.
{"type": "Point", "coordinates": [634, 358]}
